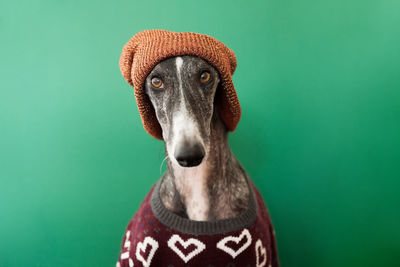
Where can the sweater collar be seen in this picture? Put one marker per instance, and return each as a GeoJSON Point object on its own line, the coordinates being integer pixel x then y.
{"type": "Point", "coordinates": [188, 226]}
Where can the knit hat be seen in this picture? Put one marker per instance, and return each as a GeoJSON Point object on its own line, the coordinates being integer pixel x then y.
{"type": "Point", "coordinates": [147, 48]}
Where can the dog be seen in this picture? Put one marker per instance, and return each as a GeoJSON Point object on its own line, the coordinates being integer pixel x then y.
{"type": "Point", "coordinates": [204, 210]}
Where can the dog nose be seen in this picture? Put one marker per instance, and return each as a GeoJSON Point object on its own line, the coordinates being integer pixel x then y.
{"type": "Point", "coordinates": [189, 154]}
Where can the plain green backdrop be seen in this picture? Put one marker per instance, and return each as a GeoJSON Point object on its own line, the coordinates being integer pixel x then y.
{"type": "Point", "coordinates": [319, 85]}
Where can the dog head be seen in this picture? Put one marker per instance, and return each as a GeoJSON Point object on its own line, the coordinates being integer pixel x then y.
{"type": "Point", "coordinates": [182, 91]}
{"type": "Point", "coordinates": [148, 48]}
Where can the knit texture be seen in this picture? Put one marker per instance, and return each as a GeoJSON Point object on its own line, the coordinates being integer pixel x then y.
{"type": "Point", "coordinates": [149, 242]}
{"type": "Point", "coordinates": [147, 48]}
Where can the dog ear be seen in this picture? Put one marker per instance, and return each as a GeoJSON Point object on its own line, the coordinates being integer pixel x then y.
{"type": "Point", "coordinates": [126, 58]}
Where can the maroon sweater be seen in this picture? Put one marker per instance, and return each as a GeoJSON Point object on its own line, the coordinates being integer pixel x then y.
{"type": "Point", "coordinates": [157, 237]}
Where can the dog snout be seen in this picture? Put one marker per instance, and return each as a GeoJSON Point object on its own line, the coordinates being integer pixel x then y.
{"type": "Point", "coordinates": [189, 154]}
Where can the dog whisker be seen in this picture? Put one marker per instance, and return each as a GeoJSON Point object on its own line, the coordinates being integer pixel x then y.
{"type": "Point", "coordinates": [162, 162]}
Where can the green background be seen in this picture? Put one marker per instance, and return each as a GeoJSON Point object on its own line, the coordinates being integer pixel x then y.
{"type": "Point", "coordinates": [319, 85]}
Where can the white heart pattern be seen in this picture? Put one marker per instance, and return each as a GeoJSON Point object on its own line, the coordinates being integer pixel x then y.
{"type": "Point", "coordinates": [260, 248]}
{"type": "Point", "coordinates": [127, 246]}
{"type": "Point", "coordinates": [222, 243]}
{"type": "Point", "coordinates": [142, 246]}
{"type": "Point", "coordinates": [127, 243]}
{"type": "Point", "coordinates": [191, 241]}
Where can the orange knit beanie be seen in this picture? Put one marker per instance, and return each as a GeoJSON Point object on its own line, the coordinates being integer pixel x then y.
{"type": "Point", "coordinates": [147, 48]}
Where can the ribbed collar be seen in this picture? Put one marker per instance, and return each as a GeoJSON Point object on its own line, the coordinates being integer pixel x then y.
{"type": "Point", "coordinates": [188, 226]}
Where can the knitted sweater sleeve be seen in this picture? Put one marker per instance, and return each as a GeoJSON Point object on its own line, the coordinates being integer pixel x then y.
{"type": "Point", "coordinates": [125, 259]}
{"type": "Point", "coordinates": [275, 259]}
{"type": "Point", "coordinates": [274, 250]}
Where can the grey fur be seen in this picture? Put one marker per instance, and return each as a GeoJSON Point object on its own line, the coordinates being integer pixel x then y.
{"type": "Point", "coordinates": [226, 187]}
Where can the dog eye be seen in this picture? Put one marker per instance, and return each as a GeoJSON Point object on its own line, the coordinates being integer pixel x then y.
{"type": "Point", "coordinates": [205, 76]}
{"type": "Point", "coordinates": [156, 82]}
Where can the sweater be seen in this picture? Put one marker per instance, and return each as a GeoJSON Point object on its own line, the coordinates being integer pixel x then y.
{"type": "Point", "coordinates": [157, 237]}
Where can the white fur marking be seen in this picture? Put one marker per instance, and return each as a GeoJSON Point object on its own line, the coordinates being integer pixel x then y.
{"type": "Point", "coordinates": [191, 182]}
{"type": "Point", "coordinates": [179, 63]}
{"type": "Point", "coordinates": [184, 125]}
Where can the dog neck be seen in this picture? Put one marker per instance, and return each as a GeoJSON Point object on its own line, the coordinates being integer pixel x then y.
{"type": "Point", "coordinates": [216, 189]}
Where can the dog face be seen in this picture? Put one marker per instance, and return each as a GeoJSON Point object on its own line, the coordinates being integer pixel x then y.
{"type": "Point", "coordinates": [182, 90]}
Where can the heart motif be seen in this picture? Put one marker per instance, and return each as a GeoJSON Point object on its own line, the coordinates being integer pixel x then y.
{"type": "Point", "coordinates": [130, 263]}
{"type": "Point", "coordinates": [127, 243]}
{"type": "Point", "coordinates": [127, 246]}
{"type": "Point", "coordinates": [222, 243]}
{"type": "Point", "coordinates": [142, 246]}
{"type": "Point", "coordinates": [191, 241]}
{"type": "Point", "coordinates": [260, 248]}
